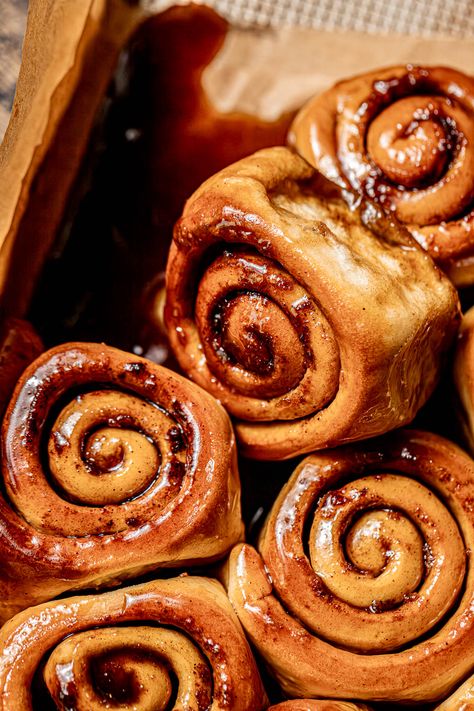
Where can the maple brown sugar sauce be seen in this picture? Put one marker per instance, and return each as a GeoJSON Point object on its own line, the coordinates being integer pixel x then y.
{"type": "Point", "coordinates": [156, 139]}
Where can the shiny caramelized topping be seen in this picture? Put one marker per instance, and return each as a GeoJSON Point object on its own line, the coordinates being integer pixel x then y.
{"type": "Point", "coordinates": [128, 667]}
{"type": "Point", "coordinates": [112, 466]}
{"type": "Point", "coordinates": [163, 645]}
{"type": "Point", "coordinates": [403, 136]}
{"type": "Point", "coordinates": [362, 573]}
{"type": "Point", "coordinates": [259, 340]}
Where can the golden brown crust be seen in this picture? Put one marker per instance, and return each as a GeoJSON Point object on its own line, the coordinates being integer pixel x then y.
{"type": "Point", "coordinates": [311, 328]}
{"type": "Point", "coordinates": [112, 466]}
{"type": "Point", "coordinates": [403, 136]}
{"type": "Point", "coordinates": [133, 647]}
{"type": "Point", "coordinates": [378, 604]}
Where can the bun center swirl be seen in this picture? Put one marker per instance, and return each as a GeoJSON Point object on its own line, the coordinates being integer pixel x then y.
{"type": "Point", "coordinates": [114, 460]}
{"type": "Point", "coordinates": [377, 562]}
{"type": "Point", "coordinates": [250, 331]}
{"type": "Point", "coordinates": [107, 448]}
{"type": "Point", "coordinates": [410, 141]}
{"type": "Point", "coordinates": [143, 668]}
{"type": "Point", "coordinates": [264, 337]}
{"type": "Point", "coordinates": [422, 149]}
{"type": "Point", "coordinates": [374, 558]}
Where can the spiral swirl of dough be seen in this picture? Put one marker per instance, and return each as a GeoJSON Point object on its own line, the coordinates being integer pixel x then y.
{"type": "Point", "coordinates": [261, 333]}
{"type": "Point", "coordinates": [361, 587]}
{"type": "Point", "coordinates": [403, 136]}
{"type": "Point", "coordinates": [171, 644]}
{"type": "Point", "coordinates": [312, 321]}
{"type": "Point", "coordinates": [111, 466]}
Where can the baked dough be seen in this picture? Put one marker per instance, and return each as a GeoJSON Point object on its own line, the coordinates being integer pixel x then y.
{"type": "Point", "coordinates": [403, 136]}
{"type": "Point", "coordinates": [313, 321]}
{"type": "Point", "coordinates": [138, 647]}
{"type": "Point", "coordinates": [361, 587]}
{"type": "Point", "coordinates": [112, 466]}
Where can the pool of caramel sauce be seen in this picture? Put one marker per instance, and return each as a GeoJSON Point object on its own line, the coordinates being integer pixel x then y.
{"type": "Point", "coordinates": [156, 139]}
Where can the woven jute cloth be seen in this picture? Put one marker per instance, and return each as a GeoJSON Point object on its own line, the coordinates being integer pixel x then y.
{"type": "Point", "coordinates": [12, 26]}
{"type": "Point", "coordinates": [426, 18]}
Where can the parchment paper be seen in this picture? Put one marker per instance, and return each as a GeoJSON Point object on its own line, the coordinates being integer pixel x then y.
{"type": "Point", "coordinates": [268, 72]}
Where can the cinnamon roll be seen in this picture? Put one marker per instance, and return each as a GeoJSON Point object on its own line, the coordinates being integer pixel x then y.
{"type": "Point", "coordinates": [112, 466]}
{"type": "Point", "coordinates": [361, 587]}
{"type": "Point", "coordinates": [314, 323]}
{"type": "Point", "coordinates": [170, 644]}
{"type": "Point", "coordinates": [403, 136]}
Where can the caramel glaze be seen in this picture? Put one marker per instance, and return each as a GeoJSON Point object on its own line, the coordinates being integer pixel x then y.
{"type": "Point", "coordinates": [270, 266]}
{"type": "Point", "coordinates": [403, 136]}
{"type": "Point", "coordinates": [361, 587]}
{"type": "Point", "coordinates": [155, 644]}
{"type": "Point", "coordinates": [19, 346]}
{"type": "Point", "coordinates": [112, 466]}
